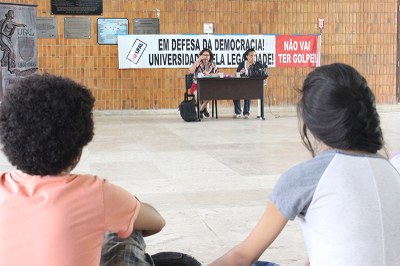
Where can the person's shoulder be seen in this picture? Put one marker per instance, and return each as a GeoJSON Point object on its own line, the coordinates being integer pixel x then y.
{"type": "Point", "coordinates": [84, 176]}
{"type": "Point", "coordinates": [295, 188]}
{"type": "Point", "coordinates": [321, 160]}
{"type": "Point", "coordinates": [88, 179]}
{"type": "Point", "coordinates": [103, 184]}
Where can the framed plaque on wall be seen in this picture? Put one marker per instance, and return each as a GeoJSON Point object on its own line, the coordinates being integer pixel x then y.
{"type": "Point", "coordinates": [108, 29]}
{"type": "Point", "coordinates": [77, 28]}
{"type": "Point", "coordinates": [46, 27]}
{"type": "Point", "coordinates": [146, 26]}
{"type": "Point", "coordinates": [76, 7]}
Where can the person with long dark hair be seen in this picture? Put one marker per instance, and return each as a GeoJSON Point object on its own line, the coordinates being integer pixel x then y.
{"type": "Point", "coordinates": [346, 197]}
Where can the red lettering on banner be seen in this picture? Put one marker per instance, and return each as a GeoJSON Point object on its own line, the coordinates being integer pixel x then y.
{"type": "Point", "coordinates": [296, 51]}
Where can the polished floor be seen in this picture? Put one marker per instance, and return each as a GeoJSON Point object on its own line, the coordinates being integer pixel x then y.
{"type": "Point", "coordinates": [210, 180]}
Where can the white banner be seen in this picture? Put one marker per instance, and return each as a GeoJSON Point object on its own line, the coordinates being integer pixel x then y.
{"type": "Point", "coordinates": [180, 51]}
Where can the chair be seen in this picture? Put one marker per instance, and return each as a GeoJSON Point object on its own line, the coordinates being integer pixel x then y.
{"type": "Point", "coordinates": [188, 84]}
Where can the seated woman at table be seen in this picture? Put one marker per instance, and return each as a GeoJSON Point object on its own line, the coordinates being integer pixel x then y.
{"type": "Point", "coordinates": [249, 58]}
{"type": "Point", "coordinates": [206, 67]}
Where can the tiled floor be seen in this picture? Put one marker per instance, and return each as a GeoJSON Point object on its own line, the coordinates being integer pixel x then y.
{"type": "Point", "coordinates": [211, 179]}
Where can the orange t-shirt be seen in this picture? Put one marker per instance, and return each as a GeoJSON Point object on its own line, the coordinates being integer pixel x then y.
{"type": "Point", "coordinates": [60, 220]}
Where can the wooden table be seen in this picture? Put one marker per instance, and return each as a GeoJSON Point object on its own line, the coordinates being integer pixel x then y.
{"type": "Point", "coordinates": [215, 88]}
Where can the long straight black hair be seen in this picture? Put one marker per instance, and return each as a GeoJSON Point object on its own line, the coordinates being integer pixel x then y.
{"type": "Point", "coordinates": [338, 108]}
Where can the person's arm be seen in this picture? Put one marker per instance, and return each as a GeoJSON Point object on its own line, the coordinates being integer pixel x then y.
{"type": "Point", "coordinates": [17, 24]}
{"type": "Point", "coordinates": [263, 234]}
{"type": "Point", "coordinates": [240, 67]}
{"type": "Point", "coordinates": [149, 221]}
{"type": "Point", "coordinates": [193, 68]}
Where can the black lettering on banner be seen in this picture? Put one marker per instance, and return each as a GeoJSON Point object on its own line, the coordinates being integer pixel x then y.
{"type": "Point", "coordinates": [163, 45]}
{"type": "Point", "coordinates": [238, 44]}
{"type": "Point", "coordinates": [261, 44]}
{"type": "Point", "coordinates": [174, 45]}
{"type": "Point", "coordinates": [138, 48]}
{"type": "Point", "coordinates": [267, 59]}
{"type": "Point", "coordinates": [219, 59]}
{"type": "Point", "coordinates": [184, 51]}
{"type": "Point", "coordinates": [242, 45]}
{"type": "Point", "coordinates": [197, 44]}
{"type": "Point", "coordinates": [252, 44]}
{"type": "Point", "coordinates": [216, 45]}
{"type": "Point", "coordinates": [234, 59]}
{"type": "Point", "coordinates": [173, 59]}
{"type": "Point", "coordinates": [207, 44]}
{"type": "Point", "coordinates": [185, 45]}
{"type": "Point", "coordinates": [249, 44]}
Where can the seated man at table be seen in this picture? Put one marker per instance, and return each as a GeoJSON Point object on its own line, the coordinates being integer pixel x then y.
{"type": "Point", "coordinates": [249, 58]}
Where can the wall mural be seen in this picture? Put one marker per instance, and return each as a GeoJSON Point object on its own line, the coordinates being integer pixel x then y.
{"type": "Point", "coordinates": [18, 51]}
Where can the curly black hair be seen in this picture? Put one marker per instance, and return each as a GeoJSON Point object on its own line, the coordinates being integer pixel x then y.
{"type": "Point", "coordinates": [45, 121]}
{"type": "Point", "coordinates": [338, 108]}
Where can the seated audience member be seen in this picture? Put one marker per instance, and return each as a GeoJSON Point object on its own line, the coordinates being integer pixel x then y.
{"type": "Point", "coordinates": [249, 58]}
{"type": "Point", "coordinates": [346, 197]}
{"type": "Point", "coordinates": [205, 66]}
{"type": "Point", "coordinates": [49, 215]}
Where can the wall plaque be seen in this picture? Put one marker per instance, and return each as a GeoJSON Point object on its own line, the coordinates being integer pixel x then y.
{"type": "Point", "coordinates": [77, 28]}
{"type": "Point", "coordinates": [108, 29]}
{"type": "Point", "coordinates": [77, 7]}
{"type": "Point", "coordinates": [146, 26]}
{"type": "Point", "coordinates": [46, 27]}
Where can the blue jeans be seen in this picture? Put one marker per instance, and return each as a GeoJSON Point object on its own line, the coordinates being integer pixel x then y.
{"type": "Point", "coordinates": [238, 108]}
{"type": "Point", "coordinates": [264, 263]}
{"type": "Point", "coordinates": [129, 251]}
